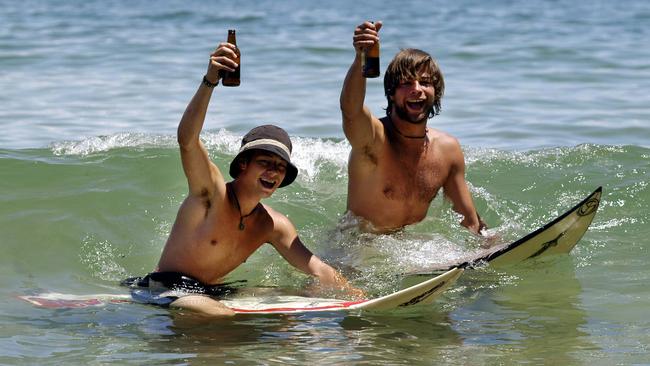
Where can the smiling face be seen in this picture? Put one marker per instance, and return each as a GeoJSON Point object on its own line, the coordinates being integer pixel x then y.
{"type": "Point", "coordinates": [413, 98]}
{"type": "Point", "coordinates": [413, 80]}
{"type": "Point", "coordinates": [266, 170]}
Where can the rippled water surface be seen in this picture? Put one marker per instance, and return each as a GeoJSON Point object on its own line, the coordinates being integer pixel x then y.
{"type": "Point", "coordinates": [549, 100]}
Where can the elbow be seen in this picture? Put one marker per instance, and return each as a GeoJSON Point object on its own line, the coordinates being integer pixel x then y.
{"type": "Point", "coordinates": [185, 140]}
{"type": "Point", "coordinates": [182, 139]}
{"type": "Point", "coordinates": [348, 105]}
{"type": "Point", "coordinates": [348, 116]}
{"type": "Point", "coordinates": [350, 109]}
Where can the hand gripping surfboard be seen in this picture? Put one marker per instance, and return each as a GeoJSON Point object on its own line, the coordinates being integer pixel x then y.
{"type": "Point", "coordinates": [557, 237]}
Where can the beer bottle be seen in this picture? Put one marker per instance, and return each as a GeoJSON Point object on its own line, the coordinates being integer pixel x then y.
{"type": "Point", "coordinates": [232, 78]}
{"type": "Point", "coordinates": [371, 61]}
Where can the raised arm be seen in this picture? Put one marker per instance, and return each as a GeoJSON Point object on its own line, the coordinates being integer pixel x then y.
{"type": "Point", "coordinates": [288, 244]}
{"type": "Point", "coordinates": [457, 192]}
{"type": "Point", "coordinates": [359, 125]}
{"type": "Point", "coordinates": [202, 175]}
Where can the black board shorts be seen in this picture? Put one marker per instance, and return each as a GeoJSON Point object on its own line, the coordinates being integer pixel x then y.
{"type": "Point", "coordinates": [163, 288]}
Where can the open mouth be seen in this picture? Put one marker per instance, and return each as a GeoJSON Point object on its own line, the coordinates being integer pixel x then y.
{"type": "Point", "coordinates": [268, 184]}
{"type": "Point", "coordinates": [415, 104]}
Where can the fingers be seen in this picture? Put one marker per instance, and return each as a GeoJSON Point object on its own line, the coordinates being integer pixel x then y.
{"type": "Point", "coordinates": [373, 26]}
{"type": "Point", "coordinates": [366, 35]}
{"type": "Point", "coordinates": [223, 58]}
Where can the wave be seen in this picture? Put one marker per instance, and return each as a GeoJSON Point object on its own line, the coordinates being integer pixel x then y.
{"type": "Point", "coordinates": [103, 206]}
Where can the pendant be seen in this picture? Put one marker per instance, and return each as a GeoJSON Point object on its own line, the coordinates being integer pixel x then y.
{"type": "Point", "coordinates": [241, 225]}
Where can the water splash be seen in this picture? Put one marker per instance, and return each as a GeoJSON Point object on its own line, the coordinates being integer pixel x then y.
{"type": "Point", "coordinates": [101, 258]}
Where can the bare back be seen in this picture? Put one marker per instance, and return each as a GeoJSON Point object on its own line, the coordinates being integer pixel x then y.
{"type": "Point", "coordinates": [393, 181]}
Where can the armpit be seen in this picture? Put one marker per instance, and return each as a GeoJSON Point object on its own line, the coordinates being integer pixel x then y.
{"type": "Point", "coordinates": [206, 200]}
{"type": "Point", "coordinates": [370, 155]}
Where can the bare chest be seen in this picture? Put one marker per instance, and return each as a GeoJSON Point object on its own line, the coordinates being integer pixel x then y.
{"type": "Point", "coordinates": [229, 240]}
{"type": "Point", "coordinates": [411, 177]}
{"type": "Point", "coordinates": [212, 246]}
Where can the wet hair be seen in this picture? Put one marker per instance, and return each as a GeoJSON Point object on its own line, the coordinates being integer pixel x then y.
{"type": "Point", "coordinates": [404, 67]}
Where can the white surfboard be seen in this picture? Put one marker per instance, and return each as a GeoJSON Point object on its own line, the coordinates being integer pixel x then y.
{"type": "Point", "coordinates": [557, 237]}
{"type": "Point", "coordinates": [422, 293]}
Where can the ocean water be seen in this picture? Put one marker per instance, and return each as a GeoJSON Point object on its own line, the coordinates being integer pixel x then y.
{"type": "Point", "coordinates": [549, 100]}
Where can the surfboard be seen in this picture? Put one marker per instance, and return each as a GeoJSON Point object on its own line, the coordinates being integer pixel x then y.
{"type": "Point", "coordinates": [556, 237]}
{"type": "Point", "coordinates": [422, 293]}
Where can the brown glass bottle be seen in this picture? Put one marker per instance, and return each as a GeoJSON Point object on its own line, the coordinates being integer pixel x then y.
{"type": "Point", "coordinates": [371, 61]}
{"type": "Point", "coordinates": [232, 78]}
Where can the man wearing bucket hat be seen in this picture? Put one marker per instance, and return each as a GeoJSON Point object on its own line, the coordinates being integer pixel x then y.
{"type": "Point", "coordinates": [219, 225]}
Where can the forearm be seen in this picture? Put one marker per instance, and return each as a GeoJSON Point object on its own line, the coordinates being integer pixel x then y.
{"type": "Point", "coordinates": [464, 205]}
{"type": "Point", "coordinates": [193, 118]}
{"type": "Point", "coordinates": [353, 92]}
{"type": "Point", "coordinates": [481, 224]}
{"type": "Point", "coordinates": [458, 193]}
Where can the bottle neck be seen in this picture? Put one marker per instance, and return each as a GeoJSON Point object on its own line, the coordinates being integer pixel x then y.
{"type": "Point", "coordinates": [232, 37]}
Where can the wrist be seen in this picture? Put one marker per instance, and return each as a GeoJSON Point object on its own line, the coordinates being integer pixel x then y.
{"type": "Point", "coordinates": [209, 83]}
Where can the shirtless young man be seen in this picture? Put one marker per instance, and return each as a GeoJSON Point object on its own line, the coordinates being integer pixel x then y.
{"type": "Point", "coordinates": [219, 225]}
{"type": "Point", "coordinates": [397, 164]}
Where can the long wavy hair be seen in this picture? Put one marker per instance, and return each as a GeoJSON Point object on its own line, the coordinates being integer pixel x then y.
{"type": "Point", "coordinates": [404, 67]}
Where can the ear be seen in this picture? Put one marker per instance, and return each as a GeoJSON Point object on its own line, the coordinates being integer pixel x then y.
{"type": "Point", "coordinates": [243, 163]}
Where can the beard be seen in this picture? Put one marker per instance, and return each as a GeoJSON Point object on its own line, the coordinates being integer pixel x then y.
{"type": "Point", "coordinates": [405, 116]}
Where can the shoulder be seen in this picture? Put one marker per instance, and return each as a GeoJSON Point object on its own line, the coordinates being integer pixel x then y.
{"type": "Point", "coordinates": [278, 224]}
{"type": "Point", "coordinates": [443, 139]}
{"type": "Point", "coordinates": [447, 144]}
{"type": "Point", "coordinates": [276, 217]}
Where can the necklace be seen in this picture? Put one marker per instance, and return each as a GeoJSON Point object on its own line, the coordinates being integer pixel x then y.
{"type": "Point", "coordinates": [426, 131]}
{"type": "Point", "coordinates": [241, 217]}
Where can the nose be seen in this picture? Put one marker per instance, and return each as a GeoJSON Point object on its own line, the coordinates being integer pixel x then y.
{"type": "Point", "coordinates": [417, 86]}
{"type": "Point", "coordinates": [413, 88]}
{"type": "Point", "coordinates": [275, 167]}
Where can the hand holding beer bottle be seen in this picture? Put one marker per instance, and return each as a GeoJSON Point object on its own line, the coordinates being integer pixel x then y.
{"type": "Point", "coordinates": [231, 78]}
{"type": "Point", "coordinates": [366, 42]}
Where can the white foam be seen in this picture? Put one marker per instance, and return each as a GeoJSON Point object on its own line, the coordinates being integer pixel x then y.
{"type": "Point", "coordinates": [98, 144]}
{"type": "Point", "coordinates": [310, 154]}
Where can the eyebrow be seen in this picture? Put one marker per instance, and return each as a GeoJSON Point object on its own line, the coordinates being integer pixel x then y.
{"type": "Point", "coordinates": [425, 78]}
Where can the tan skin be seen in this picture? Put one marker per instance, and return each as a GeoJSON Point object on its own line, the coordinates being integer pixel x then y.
{"type": "Point", "coordinates": [393, 178]}
{"type": "Point", "coordinates": [205, 241]}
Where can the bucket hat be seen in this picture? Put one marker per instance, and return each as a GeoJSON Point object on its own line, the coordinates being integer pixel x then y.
{"type": "Point", "coordinates": [267, 138]}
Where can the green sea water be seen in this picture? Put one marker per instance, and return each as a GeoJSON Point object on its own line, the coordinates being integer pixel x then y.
{"type": "Point", "coordinates": [79, 216]}
{"type": "Point", "coordinates": [548, 99]}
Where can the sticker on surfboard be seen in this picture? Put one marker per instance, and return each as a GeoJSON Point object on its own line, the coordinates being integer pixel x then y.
{"type": "Point", "coordinates": [422, 293]}
{"type": "Point", "coordinates": [557, 237]}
